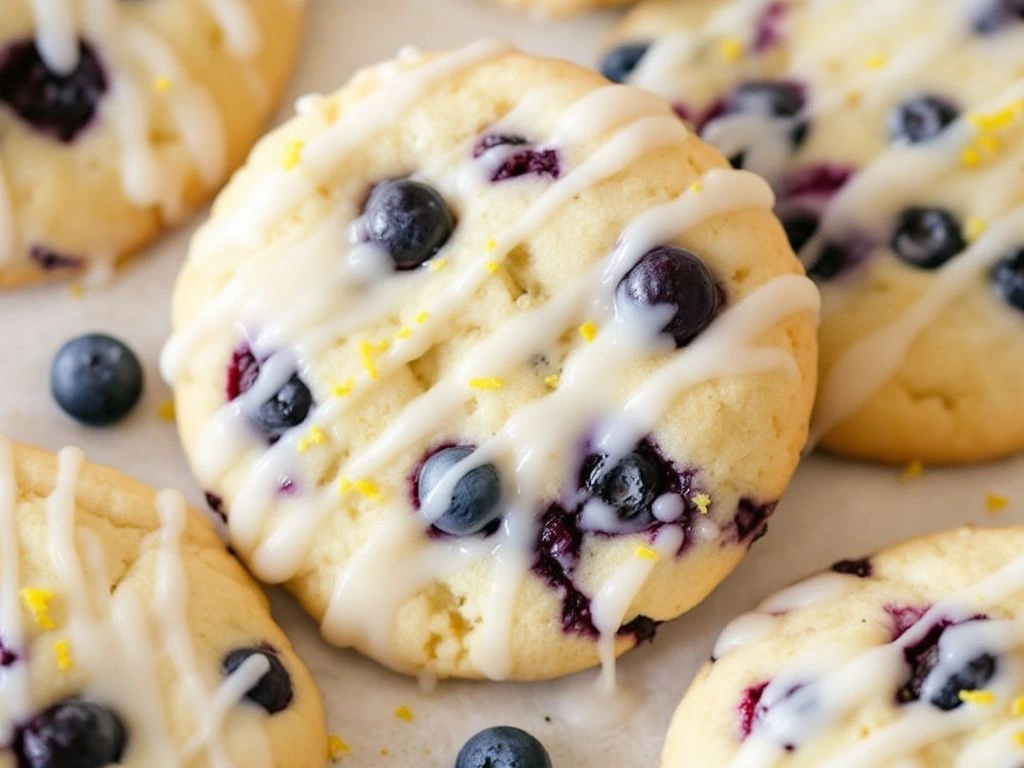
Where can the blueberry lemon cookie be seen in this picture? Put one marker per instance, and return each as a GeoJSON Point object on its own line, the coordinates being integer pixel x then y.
{"type": "Point", "coordinates": [129, 636]}
{"type": "Point", "coordinates": [118, 117]}
{"type": "Point", "coordinates": [561, 7]}
{"type": "Point", "coordinates": [909, 658]}
{"type": "Point", "coordinates": [495, 364]}
{"type": "Point", "coordinates": [893, 134]}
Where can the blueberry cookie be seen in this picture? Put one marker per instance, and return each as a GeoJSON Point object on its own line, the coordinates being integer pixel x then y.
{"type": "Point", "coordinates": [119, 117]}
{"type": "Point", "coordinates": [893, 135]}
{"type": "Point", "coordinates": [561, 7]}
{"type": "Point", "coordinates": [909, 658]}
{"type": "Point", "coordinates": [129, 636]}
{"type": "Point", "coordinates": [495, 364]}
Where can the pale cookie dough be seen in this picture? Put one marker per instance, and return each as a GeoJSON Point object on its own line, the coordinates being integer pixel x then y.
{"type": "Point", "coordinates": [893, 134]}
{"type": "Point", "coordinates": [129, 636]}
{"type": "Point", "coordinates": [450, 264]}
{"type": "Point", "coordinates": [913, 658]}
{"type": "Point", "coordinates": [119, 117]}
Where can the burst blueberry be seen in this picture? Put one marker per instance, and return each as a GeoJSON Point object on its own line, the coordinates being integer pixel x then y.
{"type": "Point", "coordinates": [630, 486]}
{"type": "Point", "coordinates": [921, 118]}
{"type": "Point", "coordinates": [1008, 278]}
{"type": "Point", "coordinates": [923, 658]}
{"type": "Point", "coordinates": [71, 734]}
{"type": "Point", "coordinates": [475, 502]}
{"type": "Point", "coordinates": [503, 747]}
{"type": "Point", "coordinates": [286, 409]}
{"type": "Point", "coordinates": [410, 220]}
{"type": "Point", "coordinates": [619, 63]}
{"type": "Point", "coordinates": [927, 237]}
{"type": "Point", "coordinates": [273, 691]}
{"type": "Point", "coordinates": [675, 278]}
{"type": "Point", "coordinates": [96, 379]}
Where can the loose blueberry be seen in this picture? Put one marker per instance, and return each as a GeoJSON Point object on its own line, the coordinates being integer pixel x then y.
{"type": "Point", "coordinates": [927, 237]}
{"type": "Point", "coordinates": [861, 568]}
{"type": "Point", "coordinates": [630, 487]}
{"type": "Point", "coordinates": [96, 379]}
{"type": "Point", "coordinates": [475, 500]}
{"type": "Point", "coordinates": [619, 63]}
{"type": "Point", "coordinates": [673, 277]}
{"type": "Point", "coordinates": [503, 747]}
{"type": "Point", "coordinates": [410, 220]}
{"type": "Point", "coordinates": [61, 106]}
{"type": "Point", "coordinates": [997, 15]}
{"type": "Point", "coordinates": [1008, 278]}
{"type": "Point", "coordinates": [921, 118]}
{"type": "Point", "coordinates": [286, 409]}
{"type": "Point", "coordinates": [71, 734]}
{"type": "Point", "coordinates": [273, 691]}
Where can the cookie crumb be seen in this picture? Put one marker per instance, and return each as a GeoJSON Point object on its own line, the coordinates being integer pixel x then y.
{"type": "Point", "coordinates": [913, 471]}
{"type": "Point", "coordinates": [405, 714]}
{"type": "Point", "coordinates": [995, 503]}
{"type": "Point", "coordinates": [337, 748]}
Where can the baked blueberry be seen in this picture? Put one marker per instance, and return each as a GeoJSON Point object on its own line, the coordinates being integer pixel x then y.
{"type": "Point", "coordinates": [833, 259]}
{"type": "Point", "coordinates": [973, 676]}
{"type": "Point", "coordinates": [619, 63]}
{"type": "Point", "coordinates": [529, 162]}
{"type": "Point", "coordinates": [996, 15]}
{"type": "Point", "coordinates": [921, 118]}
{"type": "Point", "coordinates": [59, 105]}
{"type": "Point", "coordinates": [923, 658]}
{"type": "Point", "coordinates": [50, 260]}
{"type": "Point", "coordinates": [800, 227]}
{"type": "Point", "coordinates": [927, 237]}
{"type": "Point", "coordinates": [630, 487]}
{"type": "Point", "coordinates": [475, 500]}
{"type": "Point", "coordinates": [767, 98]}
{"type": "Point", "coordinates": [71, 734]}
{"type": "Point", "coordinates": [273, 691]}
{"type": "Point", "coordinates": [673, 277]}
{"type": "Point", "coordinates": [1008, 278]}
{"type": "Point", "coordinates": [410, 220]}
{"type": "Point", "coordinates": [861, 568]}
{"type": "Point", "coordinates": [288, 408]}
{"type": "Point", "coordinates": [243, 370]}
{"type": "Point", "coordinates": [503, 747]}
{"type": "Point", "coordinates": [96, 379]}
{"type": "Point", "coordinates": [492, 140]}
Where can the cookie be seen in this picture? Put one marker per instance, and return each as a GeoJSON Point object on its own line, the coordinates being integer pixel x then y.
{"type": "Point", "coordinates": [557, 8]}
{"type": "Point", "coordinates": [908, 658]}
{"type": "Point", "coordinates": [893, 134]}
{"type": "Point", "coordinates": [494, 364]}
{"type": "Point", "coordinates": [118, 118]}
{"type": "Point", "coordinates": [129, 635]}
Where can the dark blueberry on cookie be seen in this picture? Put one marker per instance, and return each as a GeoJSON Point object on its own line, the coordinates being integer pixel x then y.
{"type": "Point", "coordinates": [619, 63]}
{"type": "Point", "coordinates": [921, 118]}
{"type": "Point", "coordinates": [60, 105]}
{"type": "Point", "coordinates": [71, 734]}
{"type": "Point", "coordinates": [767, 98]}
{"type": "Point", "coordinates": [973, 676]}
{"type": "Point", "coordinates": [996, 15]}
{"type": "Point", "coordinates": [675, 278]}
{"type": "Point", "coordinates": [475, 502]}
{"type": "Point", "coordinates": [630, 487]}
{"type": "Point", "coordinates": [410, 220]}
{"type": "Point", "coordinates": [831, 262]}
{"type": "Point", "coordinates": [1008, 278]}
{"type": "Point", "coordinates": [96, 379]}
{"type": "Point", "coordinates": [800, 227]}
{"type": "Point", "coordinates": [861, 568]}
{"type": "Point", "coordinates": [923, 657]}
{"type": "Point", "coordinates": [50, 260]}
{"type": "Point", "coordinates": [529, 162]}
{"type": "Point", "coordinates": [503, 747]}
{"type": "Point", "coordinates": [927, 237]}
{"type": "Point", "coordinates": [273, 691]}
{"type": "Point", "coordinates": [288, 408]}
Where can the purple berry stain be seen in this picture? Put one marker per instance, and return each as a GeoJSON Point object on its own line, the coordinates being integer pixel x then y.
{"type": "Point", "coordinates": [51, 260]}
{"type": "Point", "coordinates": [768, 28]}
{"type": "Point", "coordinates": [528, 161]}
{"type": "Point", "coordinates": [8, 657]}
{"type": "Point", "coordinates": [751, 521]}
{"type": "Point", "coordinates": [749, 708]}
{"type": "Point", "coordinates": [216, 505]}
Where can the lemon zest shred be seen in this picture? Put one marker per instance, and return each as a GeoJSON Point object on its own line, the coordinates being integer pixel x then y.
{"type": "Point", "coordinates": [980, 698]}
{"type": "Point", "coordinates": [404, 713]}
{"type": "Point", "coordinates": [344, 389]}
{"type": "Point", "coordinates": [38, 602]}
{"type": "Point", "coordinates": [551, 381]}
{"type": "Point", "coordinates": [703, 503]}
{"type": "Point", "coordinates": [644, 552]}
{"type": "Point", "coordinates": [337, 747]}
{"type": "Point", "coordinates": [912, 471]}
{"type": "Point", "coordinates": [486, 383]}
{"type": "Point", "coordinates": [293, 155]}
{"type": "Point", "coordinates": [62, 650]}
{"type": "Point", "coordinates": [588, 331]}
{"type": "Point", "coordinates": [996, 502]}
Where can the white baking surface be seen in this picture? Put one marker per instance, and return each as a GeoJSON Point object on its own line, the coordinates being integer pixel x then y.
{"type": "Point", "coordinates": [833, 509]}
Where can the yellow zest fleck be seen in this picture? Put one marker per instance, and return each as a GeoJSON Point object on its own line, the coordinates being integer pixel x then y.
{"type": "Point", "coordinates": [166, 410]}
{"type": "Point", "coordinates": [1018, 738]}
{"type": "Point", "coordinates": [989, 144]}
{"type": "Point", "coordinates": [369, 364]}
{"type": "Point", "coordinates": [913, 470]}
{"type": "Point", "coordinates": [588, 331]}
{"type": "Point", "coordinates": [996, 502]}
{"type": "Point", "coordinates": [383, 345]}
{"type": "Point", "coordinates": [76, 291]}
{"type": "Point", "coordinates": [315, 436]}
{"type": "Point", "coordinates": [970, 158]}
{"type": "Point", "coordinates": [344, 389]}
{"type": "Point", "coordinates": [703, 503]}
{"type": "Point", "coordinates": [38, 602]}
{"type": "Point", "coordinates": [1017, 708]}
{"type": "Point", "coordinates": [974, 228]}
{"type": "Point", "coordinates": [877, 61]}
{"type": "Point", "coordinates": [405, 332]}
{"type": "Point", "coordinates": [162, 84]}
{"type": "Point", "coordinates": [491, 244]}
{"type": "Point", "coordinates": [646, 553]}
{"type": "Point", "coordinates": [421, 318]}
{"type": "Point", "coordinates": [551, 381]}
{"type": "Point", "coordinates": [981, 698]}
{"type": "Point", "coordinates": [62, 649]}
{"type": "Point", "coordinates": [486, 384]}
{"type": "Point", "coordinates": [697, 187]}
{"type": "Point", "coordinates": [365, 488]}
{"type": "Point", "coordinates": [404, 713]}
{"type": "Point", "coordinates": [994, 121]}
{"type": "Point", "coordinates": [292, 155]}
{"type": "Point", "coordinates": [437, 264]}
{"type": "Point", "coordinates": [337, 747]}
{"type": "Point", "coordinates": [733, 49]}
{"type": "Point", "coordinates": [492, 267]}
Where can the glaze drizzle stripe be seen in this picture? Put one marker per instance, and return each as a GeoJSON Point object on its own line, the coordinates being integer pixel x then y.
{"type": "Point", "coordinates": [13, 678]}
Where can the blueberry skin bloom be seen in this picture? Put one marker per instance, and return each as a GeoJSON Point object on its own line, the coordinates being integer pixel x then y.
{"type": "Point", "coordinates": [475, 500]}
{"type": "Point", "coordinates": [96, 379]}
{"type": "Point", "coordinates": [289, 407]}
{"type": "Point", "coordinates": [409, 220]}
{"type": "Point", "coordinates": [274, 690]}
{"type": "Point", "coordinates": [72, 734]}
{"type": "Point", "coordinates": [503, 747]}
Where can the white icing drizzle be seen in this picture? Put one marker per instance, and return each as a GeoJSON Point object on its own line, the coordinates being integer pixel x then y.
{"type": "Point", "coordinates": [55, 35]}
{"type": "Point", "coordinates": [13, 679]}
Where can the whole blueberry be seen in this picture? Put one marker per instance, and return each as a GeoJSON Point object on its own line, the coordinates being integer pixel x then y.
{"type": "Point", "coordinates": [619, 63]}
{"type": "Point", "coordinates": [921, 118]}
{"type": "Point", "coordinates": [288, 408]}
{"type": "Point", "coordinates": [833, 260]}
{"type": "Point", "coordinates": [766, 98]}
{"type": "Point", "coordinates": [410, 220]}
{"type": "Point", "coordinates": [673, 277]}
{"type": "Point", "coordinates": [96, 379]}
{"type": "Point", "coordinates": [630, 486]}
{"type": "Point", "coordinates": [503, 747]}
{"type": "Point", "coordinates": [60, 105]}
{"type": "Point", "coordinates": [273, 691]}
{"type": "Point", "coordinates": [927, 237]}
{"type": "Point", "coordinates": [1008, 278]}
{"type": "Point", "coordinates": [996, 15]}
{"type": "Point", "coordinates": [475, 500]}
{"type": "Point", "coordinates": [71, 734]}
